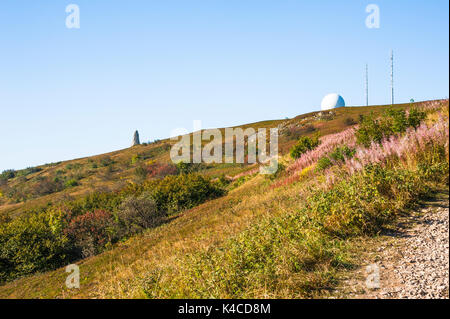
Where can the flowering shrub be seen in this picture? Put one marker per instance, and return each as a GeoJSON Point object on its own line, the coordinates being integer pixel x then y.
{"type": "Point", "coordinates": [432, 105]}
{"type": "Point", "coordinates": [404, 148]}
{"type": "Point", "coordinates": [327, 144]}
{"type": "Point", "coordinates": [141, 173]}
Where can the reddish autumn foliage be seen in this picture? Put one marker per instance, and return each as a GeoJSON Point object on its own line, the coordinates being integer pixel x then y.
{"type": "Point", "coordinates": [160, 170]}
{"type": "Point", "coordinates": [91, 231]}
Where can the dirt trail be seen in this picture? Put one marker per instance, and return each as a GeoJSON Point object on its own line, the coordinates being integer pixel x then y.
{"type": "Point", "coordinates": [410, 262]}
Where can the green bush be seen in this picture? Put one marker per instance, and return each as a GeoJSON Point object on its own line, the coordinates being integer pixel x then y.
{"type": "Point", "coordinates": [106, 161]}
{"type": "Point", "coordinates": [188, 168]}
{"type": "Point", "coordinates": [135, 158]}
{"type": "Point", "coordinates": [32, 243]}
{"type": "Point", "coordinates": [337, 156]}
{"type": "Point", "coordinates": [8, 174]}
{"type": "Point", "coordinates": [43, 185]}
{"type": "Point", "coordinates": [71, 183]}
{"type": "Point", "coordinates": [323, 163]}
{"type": "Point", "coordinates": [392, 121]}
{"type": "Point", "coordinates": [341, 153]}
{"type": "Point", "coordinates": [415, 117]}
{"type": "Point", "coordinates": [54, 236]}
{"type": "Point", "coordinates": [137, 214]}
{"type": "Point", "coordinates": [366, 201]}
{"type": "Point", "coordinates": [175, 193]}
{"type": "Point", "coordinates": [303, 145]}
{"type": "Point", "coordinates": [28, 171]}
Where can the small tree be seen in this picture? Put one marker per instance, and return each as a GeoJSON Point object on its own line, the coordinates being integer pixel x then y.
{"type": "Point", "coordinates": [137, 214]}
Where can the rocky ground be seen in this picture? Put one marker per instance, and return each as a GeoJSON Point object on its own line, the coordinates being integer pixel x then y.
{"type": "Point", "coordinates": [411, 261]}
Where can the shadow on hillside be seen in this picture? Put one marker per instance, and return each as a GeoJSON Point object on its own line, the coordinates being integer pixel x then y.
{"type": "Point", "coordinates": [437, 199]}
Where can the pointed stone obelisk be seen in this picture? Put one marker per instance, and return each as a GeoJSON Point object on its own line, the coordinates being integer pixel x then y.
{"type": "Point", "coordinates": [136, 139]}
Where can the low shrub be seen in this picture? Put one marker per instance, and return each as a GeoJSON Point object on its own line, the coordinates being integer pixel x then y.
{"type": "Point", "coordinates": [90, 232]}
{"type": "Point", "coordinates": [393, 121]}
{"type": "Point", "coordinates": [8, 174]}
{"type": "Point", "coordinates": [140, 172]}
{"type": "Point", "coordinates": [188, 168]}
{"type": "Point", "coordinates": [323, 163]}
{"type": "Point", "coordinates": [366, 201]}
{"type": "Point", "coordinates": [135, 158]}
{"type": "Point", "coordinates": [54, 236]}
{"type": "Point", "coordinates": [106, 161]}
{"type": "Point", "coordinates": [339, 155]}
{"type": "Point", "coordinates": [349, 121]}
{"type": "Point", "coordinates": [137, 214]}
{"type": "Point", "coordinates": [303, 145]}
{"type": "Point", "coordinates": [175, 193]}
{"type": "Point", "coordinates": [43, 185]}
{"type": "Point", "coordinates": [160, 170]}
{"type": "Point", "coordinates": [31, 243]}
{"type": "Point", "coordinates": [71, 183]}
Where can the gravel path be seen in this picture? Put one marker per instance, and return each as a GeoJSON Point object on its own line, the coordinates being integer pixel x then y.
{"type": "Point", "coordinates": [413, 264]}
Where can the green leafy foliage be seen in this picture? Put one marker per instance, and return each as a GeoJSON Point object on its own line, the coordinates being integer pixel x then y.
{"type": "Point", "coordinates": [323, 163]}
{"type": "Point", "coordinates": [71, 183]}
{"type": "Point", "coordinates": [303, 145]}
{"type": "Point", "coordinates": [179, 192]}
{"type": "Point", "coordinates": [54, 236]}
{"type": "Point", "coordinates": [393, 121]}
{"type": "Point", "coordinates": [187, 168]}
{"type": "Point", "coordinates": [366, 201]}
{"type": "Point", "coordinates": [8, 174]}
{"type": "Point", "coordinates": [137, 214]}
{"type": "Point", "coordinates": [337, 156]}
{"type": "Point", "coordinates": [32, 243]}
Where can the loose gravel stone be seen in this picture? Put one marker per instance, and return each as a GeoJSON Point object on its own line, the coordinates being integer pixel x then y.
{"type": "Point", "coordinates": [417, 264]}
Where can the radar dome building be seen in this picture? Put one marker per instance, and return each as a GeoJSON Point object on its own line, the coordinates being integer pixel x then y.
{"type": "Point", "coordinates": [332, 101]}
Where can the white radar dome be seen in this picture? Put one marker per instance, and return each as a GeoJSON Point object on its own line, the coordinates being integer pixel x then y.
{"type": "Point", "coordinates": [332, 101]}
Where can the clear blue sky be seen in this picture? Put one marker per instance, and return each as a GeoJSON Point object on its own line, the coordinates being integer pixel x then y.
{"type": "Point", "coordinates": [158, 65]}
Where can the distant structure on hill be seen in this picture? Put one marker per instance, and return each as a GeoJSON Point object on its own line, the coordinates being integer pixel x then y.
{"type": "Point", "coordinates": [136, 139]}
{"type": "Point", "coordinates": [332, 101]}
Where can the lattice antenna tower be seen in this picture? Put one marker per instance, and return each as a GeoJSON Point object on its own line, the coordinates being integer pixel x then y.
{"type": "Point", "coordinates": [392, 77]}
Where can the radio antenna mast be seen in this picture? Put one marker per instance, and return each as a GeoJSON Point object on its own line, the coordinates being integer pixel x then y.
{"type": "Point", "coordinates": [367, 85]}
{"type": "Point", "coordinates": [392, 77]}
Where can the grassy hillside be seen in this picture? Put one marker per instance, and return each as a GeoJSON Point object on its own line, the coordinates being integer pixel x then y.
{"type": "Point", "coordinates": [280, 236]}
{"type": "Point", "coordinates": [50, 183]}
